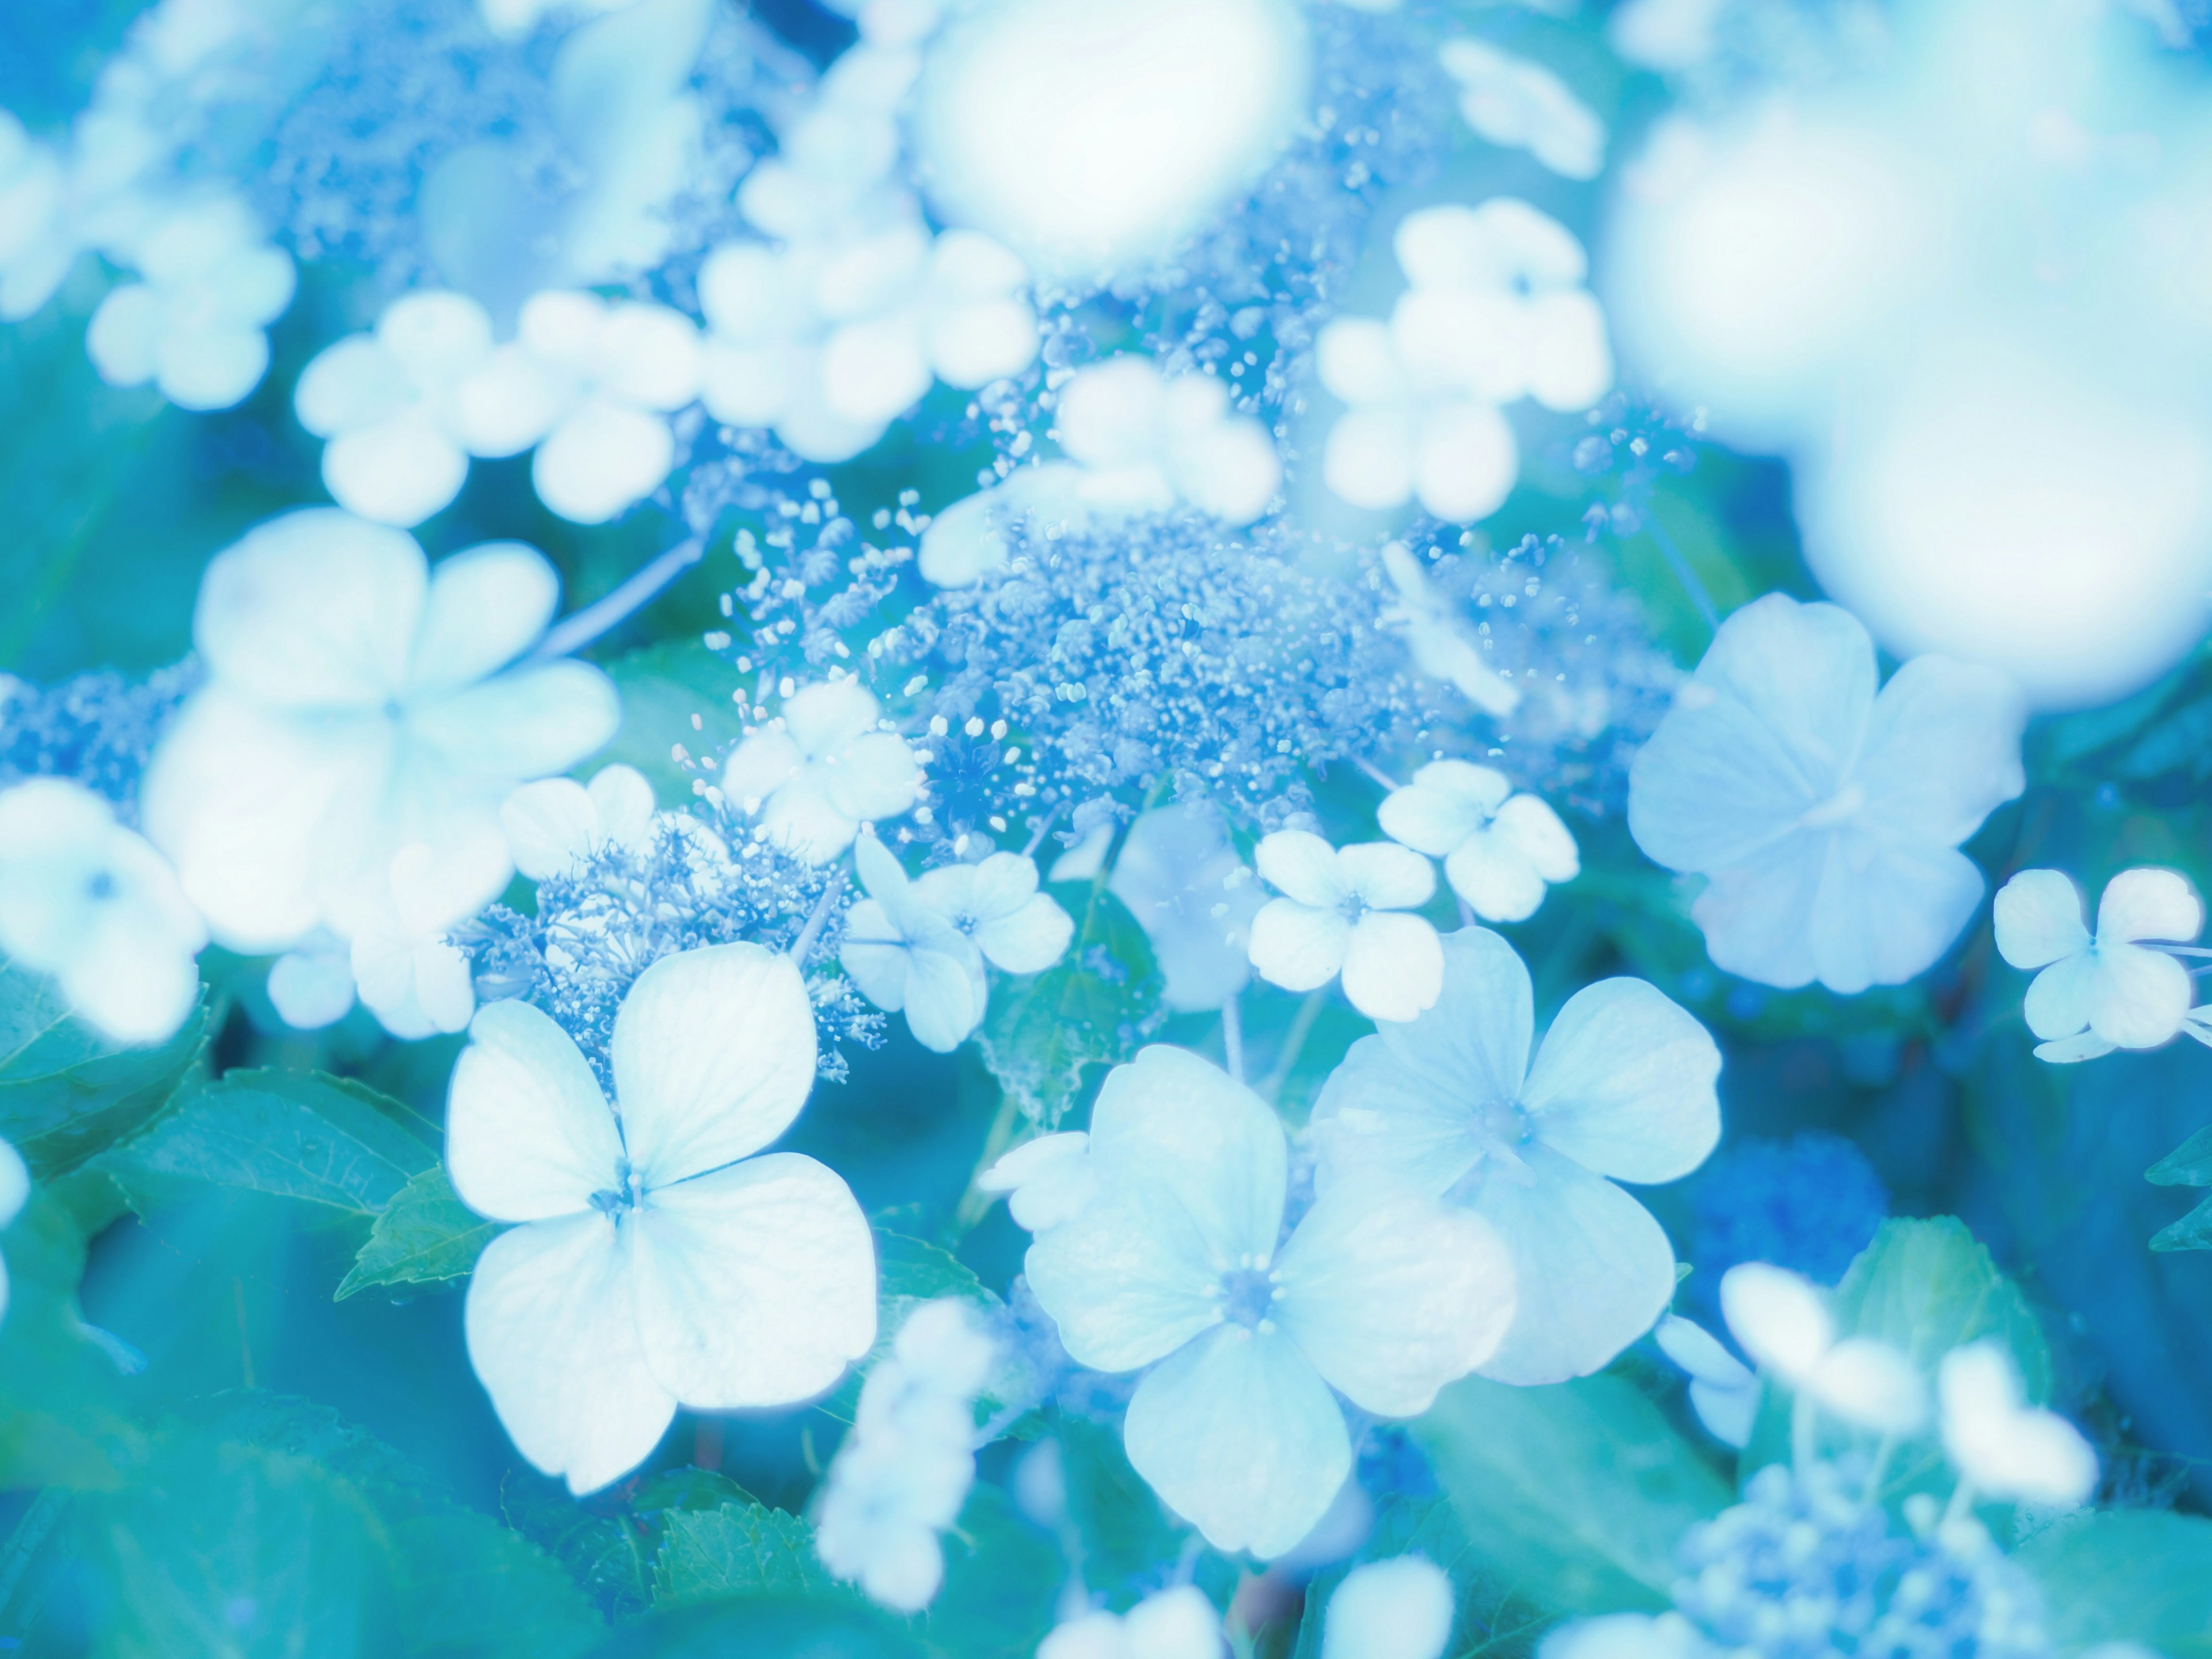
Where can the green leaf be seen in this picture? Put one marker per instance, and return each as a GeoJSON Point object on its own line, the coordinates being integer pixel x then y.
{"type": "Point", "coordinates": [1576, 1492]}
{"type": "Point", "coordinates": [61, 1419]}
{"type": "Point", "coordinates": [1924, 1287]}
{"type": "Point", "coordinates": [610, 1552]}
{"type": "Point", "coordinates": [1125, 1531]}
{"type": "Point", "coordinates": [1002, 1579]}
{"type": "Point", "coordinates": [2139, 1576]}
{"type": "Point", "coordinates": [2179, 739]}
{"type": "Point", "coordinates": [295, 1134]}
{"type": "Point", "coordinates": [235, 1551]}
{"type": "Point", "coordinates": [663, 687]}
{"type": "Point", "coordinates": [740, 1549]}
{"type": "Point", "coordinates": [423, 1235]}
{"type": "Point", "coordinates": [68, 1092]}
{"type": "Point", "coordinates": [780, 1626]}
{"type": "Point", "coordinates": [1094, 1008]}
{"type": "Point", "coordinates": [2193, 1232]}
{"type": "Point", "coordinates": [2189, 1164]}
{"type": "Point", "coordinates": [472, 1589]}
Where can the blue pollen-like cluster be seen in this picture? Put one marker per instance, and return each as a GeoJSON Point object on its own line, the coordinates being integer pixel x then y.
{"type": "Point", "coordinates": [97, 729]}
{"type": "Point", "coordinates": [1809, 1204]}
{"type": "Point", "coordinates": [1802, 1569]}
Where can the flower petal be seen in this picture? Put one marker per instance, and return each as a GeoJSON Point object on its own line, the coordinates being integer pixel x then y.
{"type": "Point", "coordinates": [486, 606]}
{"type": "Point", "coordinates": [873, 777]}
{"type": "Point", "coordinates": [1391, 1299]}
{"type": "Point", "coordinates": [396, 471]}
{"type": "Point", "coordinates": [1304, 867]}
{"type": "Point", "coordinates": [1593, 1270]}
{"type": "Point", "coordinates": [1495, 877]}
{"type": "Point", "coordinates": [755, 1284]}
{"type": "Point", "coordinates": [1941, 750]}
{"type": "Point", "coordinates": [1624, 1083]}
{"type": "Point", "coordinates": [528, 1133]}
{"type": "Point", "coordinates": [823, 719]}
{"type": "Point", "coordinates": [1386, 876]}
{"type": "Point", "coordinates": [1296, 946]}
{"type": "Point", "coordinates": [1393, 965]}
{"type": "Point", "coordinates": [2147, 904]}
{"type": "Point", "coordinates": [1029, 939]}
{"type": "Point", "coordinates": [601, 460]}
{"type": "Point", "coordinates": [316, 609]}
{"type": "Point", "coordinates": [1529, 823]}
{"type": "Point", "coordinates": [552, 1332]}
{"type": "Point", "coordinates": [1777, 1318]}
{"type": "Point", "coordinates": [1886, 909]}
{"type": "Point", "coordinates": [1128, 1277]}
{"type": "Point", "coordinates": [549, 826]}
{"type": "Point", "coordinates": [2038, 915]}
{"type": "Point", "coordinates": [1472, 1047]}
{"type": "Point", "coordinates": [2137, 997]}
{"type": "Point", "coordinates": [760, 766]}
{"type": "Point", "coordinates": [945, 991]}
{"type": "Point", "coordinates": [1238, 1433]}
{"type": "Point", "coordinates": [1378, 1119]}
{"type": "Point", "coordinates": [1448, 801]}
{"type": "Point", "coordinates": [713, 1056]}
{"type": "Point", "coordinates": [1173, 1119]}
{"type": "Point", "coordinates": [537, 718]}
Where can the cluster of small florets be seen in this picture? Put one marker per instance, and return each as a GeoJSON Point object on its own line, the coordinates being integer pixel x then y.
{"type": "Point", "coordinates": [1547, 616]}
{"type": "Point", "coordinates": [97, 729]}
{"type": "Point", "coordinates": [622, 910]}
{"type": "Point", "coordinates": [1167, 653]}
{"type": "Point", "coordinates": [1247, 295]}
{"type": "Point", "coordinates": [1809, 1204]}
{"type": "Point", "coordinates": [1803, 1568]}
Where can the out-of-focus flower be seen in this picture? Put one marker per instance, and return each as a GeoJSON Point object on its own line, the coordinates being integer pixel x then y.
{"type": "Point", "coordinates": [413, 979]}
{"type": "Point", "coordinates": [1146, 440]}
{"type": "Point", "coordinates": [196, 324]}
{"type": "Point", "coordinates": [1495, 311]}
{"type": "Point", "coordinates": [90, 903]}
{"type": "Point", "coordinates": [1782, 1322]}
{"type": "Point", "coordinates": [1826, 817]}
{"type": "Point", "coordinates": [36, 246]}
{"type": "Point", "coordinates": [1518, 104]}
{"type": "Point", "coordinates": [1438, 640]}
{"type": "Point", "coordinates": [1621, 1090]}
{"type": "Point", "coordinates": [830, 341]}
{"type": "Point", "coordinates": [2097, 994]}
{"type": "Point", "coordinates": [1401, 1608]}
{"type": "Point", "coordinates": [1046, 1180]}
{"type": "Point", "coordinates": [1499, 848]}
{"type": "Point", "coordinates": [591, 383]}
{"type": "Point", "coordinates": [1174, 1264]}
{"type": "Point", "coordinates": [902, 1475]}
{"type": "Point", "coordinates": [1724, 1390]}
{"type": "Point", "coordinates": [1342, 911]}
{"type": "Point", "coordinates": [660, 1261]}
{"type": "Point", "coordinates": [1195, 899]}
{"type": "Point", "coordinates": [821, 769]}
{"type": "Point", "coordinates": [388, 402]}
{"type": "Point", "coordinates": [357, 702]}
{"type": "Point", "coordinates": [2009, 1450]}
{"type": "Point", "coordinates": [1170, 1624]}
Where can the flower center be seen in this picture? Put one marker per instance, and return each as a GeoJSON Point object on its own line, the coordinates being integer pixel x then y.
{"type": "Point", "coordinates": [1839, 808]}
{"type": "Point", "coordinates": [1247, 1297]}
{"type": "Point", "coordinates": [627, 1194]}
{"type": "Point", "coordinates": [100, 886]}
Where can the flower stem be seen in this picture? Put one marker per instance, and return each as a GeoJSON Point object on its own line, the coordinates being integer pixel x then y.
{"type": "Point", "coordinates": [574, 633]}
{"type": "Point", "coordinates": [1232, 1037]}
{"type": "Point", "coordinates": [1302, 1025]}
{"type": "Point", "coordinates": [816, 923]}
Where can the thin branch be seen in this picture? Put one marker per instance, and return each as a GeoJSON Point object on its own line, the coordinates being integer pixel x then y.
{"type": "Point", "coordinates": [574, 632]}
{"type": "Point", "coordinates": [816, 923]}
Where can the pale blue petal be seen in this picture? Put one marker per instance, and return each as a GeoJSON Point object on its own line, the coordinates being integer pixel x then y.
{"type": "Point", "coordinates": [1624, 1083]}
{"type": "Point", "coordinates": [528, 1131]}
{"type": "Point", "coordinates": [1886, 909]}
{"type": "Point", "coordinates": [1592, 1270]}
{"type": "Point", "coordinates": [485, 608]}
{"type": "Point", "coordinates": [1377, 1119]}
{"type": "Point", "coordinates": [1390, 1298]}
{"type": "Point", "coordinates": [1128, 1277]}
{"type": "Point", "coordinates": [2038, 915]}
{"type": "Point", "coordinates": [1181, 1122]}
{"type": "Point", "coordinates": [1239, 1436]}
{"type": "Point", "coordinates": [1942, 750]}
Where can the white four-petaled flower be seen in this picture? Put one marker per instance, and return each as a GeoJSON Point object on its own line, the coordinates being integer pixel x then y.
{"type": "Point", "coordinates": [903, 1473]}
{"type": "Point", "coordinates": [358, 703]}
{"type": "Point", "coordinates": [90, 903]}
{"type": "Point", "coordinates": [1343, 911]}
{"type": "Point", "coordinates": [1176, 1266]}
{"type": "Point", "coordinates": [1499, 848]}
{"type": "Point", "coordinates": [1783, 1322]}
{"type": "Point", "coordinates": [661, 1259]}
{"type": "Point", "coordinates": [2096, 993]}
{"type": "Point", "coordinates": [822, 769]}
{"type": "Point", "coordinates": [920, 945]}
{"type": "Point", "coordinates": [1621, 1090]}
{"type": "Point", "coordinates": [2007, 1449]}
{"type": "Point", "coordinates": [1828, 818]}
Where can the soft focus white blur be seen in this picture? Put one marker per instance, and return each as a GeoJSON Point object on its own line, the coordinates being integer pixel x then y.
{"type": "Point", "coordinates": [1088, 138]}
{"type": "Point", "coordinates": [1963, 294]}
